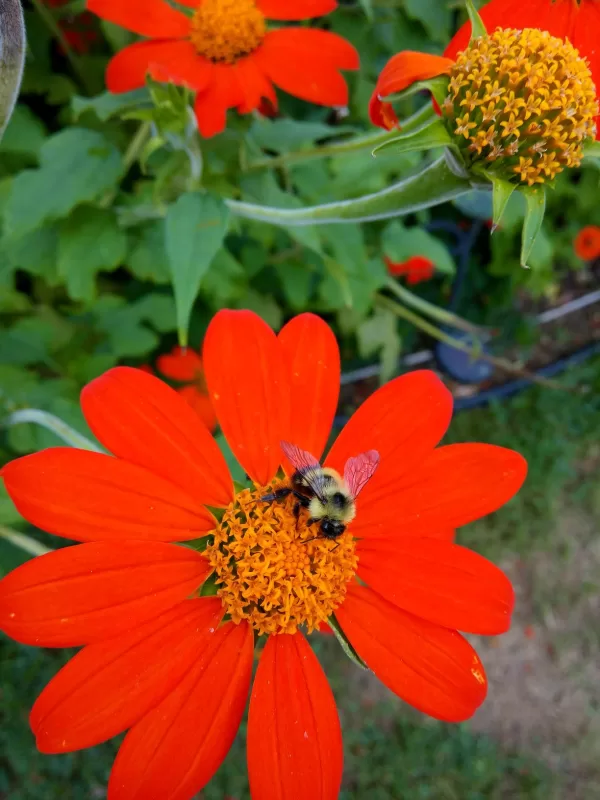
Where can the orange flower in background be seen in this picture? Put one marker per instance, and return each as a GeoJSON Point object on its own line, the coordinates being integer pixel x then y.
{"type": "Point", "coordinates": [173, 667]}
{"type": "Point", "coordinates": [416, 269]}
{"type": "Point", "coordinates": [587, 243]}
{"type": "Point", "coordinates": [225, 51]}
{"type": "Point", "coordinates": [78, 30]}
{"type": "Point", "coordinates": [184, 365]}
{"type": "Point", "coordinates": [575, 20]}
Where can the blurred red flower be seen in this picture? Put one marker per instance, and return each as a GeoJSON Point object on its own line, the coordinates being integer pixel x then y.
{"type": "Point", "coordinates": [78, 29]}
{"type": "Point", "coordinates": [416, 269]}
{"type": "Point", "coordinates": [587, 243]}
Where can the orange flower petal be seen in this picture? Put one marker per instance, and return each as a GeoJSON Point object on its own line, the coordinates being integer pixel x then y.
{"type": "Point", "coordinates": [454, 486]}
{"type": "Point", "coordinates": [254, 85]}
{"type": "Point", "coordinates": [304, 62]}
{"type": "Point", "coordinates": [295, 9]}
{"type": "Point", "coordinates": [110, 685]}
{"type": "Point", "coordinates": [244, 370]}
{"type": "Point", "coordinates": [88, 592]}
{"type": "Point", "coordinates": [152, 18]}
{"type": "Point", "coordinates": [587, 243]}
{"type": "Point", "coordinates": [294, 736]}
{"type": "Point", "coordinates": [403, 420]}
{"type": "Point", "coordinates": [142, 420]}
{"type": "Point", "coordinates": [181, 364]}
{"type": "Point", "coordinates": [432, 668]}
{"type": "Point", "coordinates": [201, 405]}
{"type": "Point", "coordinates": [92, 497]}
{"type": "Point", "coordinates": [223, 92]}
{"type": "Point", "coordinates": [312, 358]}
{"type": "Point", "coordinates": [439, 581]}
{"type": "Point", "coordinates": [175, 61]}
{"type": "Point", "coordinates": [401, 71]}
{"type": "Point", "coordinates": [175, 749]}
{"type": "Point", "coordinates": [555, 17]}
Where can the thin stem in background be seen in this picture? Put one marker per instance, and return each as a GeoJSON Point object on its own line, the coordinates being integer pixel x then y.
{"type": "Point", "coordinates": [24, 542]}
{"type": "Point", "coordinates": [433, 311]}
{"type": "Point", "coordinates": [475, 352]}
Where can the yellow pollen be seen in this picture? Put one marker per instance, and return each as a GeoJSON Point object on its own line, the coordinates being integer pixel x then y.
{"type": "Point", "coordinates": [269, 574]}
{"type": "Point", "coordinates": [227, 30]}
{"type": "Point", "coordinates": [521, 104]}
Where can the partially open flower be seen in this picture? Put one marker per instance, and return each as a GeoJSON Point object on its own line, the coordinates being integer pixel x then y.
{"type": "Point", "coordinates": [587, 243]}
{"type": "Point", "coordinates": [170, 663]}
{"type": "Point", "coordinates": [520, 104]}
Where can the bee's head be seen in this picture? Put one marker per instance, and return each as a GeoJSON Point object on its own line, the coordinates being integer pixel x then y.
{"type": "Point", "coordinates": [332, 528]}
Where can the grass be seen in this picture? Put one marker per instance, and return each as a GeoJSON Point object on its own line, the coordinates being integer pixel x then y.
{"type": "Point", "coordinates": [390, 753]}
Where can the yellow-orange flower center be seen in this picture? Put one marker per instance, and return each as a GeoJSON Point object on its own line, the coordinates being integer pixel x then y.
{"type": "Point", "coordinates": [522, 103]}
{"type": "Point", "coordinates": [226, 30]}
{"type": "Point", "coordinates": [267, 571]}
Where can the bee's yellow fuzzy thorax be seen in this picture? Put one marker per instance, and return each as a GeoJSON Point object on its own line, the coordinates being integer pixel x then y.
{"type": "Point", "coordinates": [265, 572]}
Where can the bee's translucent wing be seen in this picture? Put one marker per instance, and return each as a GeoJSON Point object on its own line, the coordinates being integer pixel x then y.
{"type": "Point", "coordinates": [307, 465]}
{"type": "Point", "coordinates": [301, 459]}
{"type": "Point", "coordinates": [359, 470]}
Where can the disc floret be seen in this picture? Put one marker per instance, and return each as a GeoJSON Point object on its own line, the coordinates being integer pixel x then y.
{"type": "Point", "coordinates": [521, 105]}
{"type": "Point", "coordinates": [227, 30]}
{"type": "Point", "coordinates": [267, 571]}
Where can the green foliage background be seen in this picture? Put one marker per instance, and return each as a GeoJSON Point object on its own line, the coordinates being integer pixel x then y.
{"type": "Point", "coordinates": [101, 261]}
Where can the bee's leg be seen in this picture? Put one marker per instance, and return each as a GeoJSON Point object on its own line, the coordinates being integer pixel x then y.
{"type": "Point", "coordinates": [333, 549]}
{"type": "Point", "coordinates": [278, 494]}
{"type": "Point", "coordinates": [302, 499]}
{"type": "Point", "coordinates": [311, 521]}
{"type": "Point", "coordinates": [297, 513]}
{"type": "Point", "coordinates": [306, 541]}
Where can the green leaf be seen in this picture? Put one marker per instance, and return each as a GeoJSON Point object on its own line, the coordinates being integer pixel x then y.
{"type": "Point", "coordinates": [426, 138]}
{"type": "Point", "coordinates": [148, 257]}
{"type": "Point", "coordinates": [283, 135]}
{"type": "Point", "coordinates": [591, 149]}
{"type": "Point", "coordinates": [25, 133]}
{"type": "Point", "coordinates": [77, 165]}
{"type": "Point", "coordinates": [196, 225]}
{"type": "Point", "coordinates": [35, 252]}
{"type": "Point", "coordinates": [367, 6]}
{"type": "Point", "coordinates": [345, 643]}
{"type": "Point", "coordinates": [534, 216]}
{"type": "Point", "coordinates": [477, 27]}
{"type": "Point", "coordinates": [437, 86]}
{"type": "Point", "coordinates": [89, 241]}
{"type": "Point", "coordinates": [502, 192]}
{"type": "Point", "coordinates": [400, 243]}
{"type": "Point", "coordinates": [379, 335]}
{"type": "Point", "coordinates": [434, 15]}
{"type": "Point", "coordinates": [108, 105]}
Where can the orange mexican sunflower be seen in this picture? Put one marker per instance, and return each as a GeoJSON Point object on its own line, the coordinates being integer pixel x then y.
{"type": "Point", "coordinates": [521, 102]}
{"type": "Point", "coordinates": [172, 665]}
{"type": "Point", "coordinates": [184, 365]}
{"type": "Point", "coordinates": [225, 51]}
{"type": "Point", "coordinates": [416, 269]}
{"type": "Point", "coordinates": [575, 20]}
{"type": "Point", "coordinates": [587, 243]}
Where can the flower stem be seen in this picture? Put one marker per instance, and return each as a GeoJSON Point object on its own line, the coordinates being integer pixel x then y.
{"type": "Point", "coordinates": [475, 352]}
{"type": "Point", "coordinates": [340, 148]}
{"type": "Point", "coordinates": [23, 541]}
{"type": "Point", "coordinates": [431, 310]}
{"type": "Point", "coordinates": [433, 184]}
{"type": "Point", "coordinates": [54, 424]}
{"type": "Point", "coordinates": [53, 26]}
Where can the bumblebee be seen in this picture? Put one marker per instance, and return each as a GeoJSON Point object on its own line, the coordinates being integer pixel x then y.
{"type": "Point", "coordinates": [329, 497]}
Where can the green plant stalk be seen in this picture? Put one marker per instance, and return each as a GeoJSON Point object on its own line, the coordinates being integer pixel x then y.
{"type": "Point", "coordinates": [346, 146]}
{"type": "Point", "coordinates": [53, 26]}
{"type": "Point", "coordinates": [12, 57]}
{"type": "Point", "coordinates": [24, 542]}
{"type": "Point", "coordinates": [431, 310]}
{"type": "Point", "coordinates": [475, 352]}
{"type": "Point", "coordinates": [433, 185]}
{"type": "Point", "coordinates": [51, 423]}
